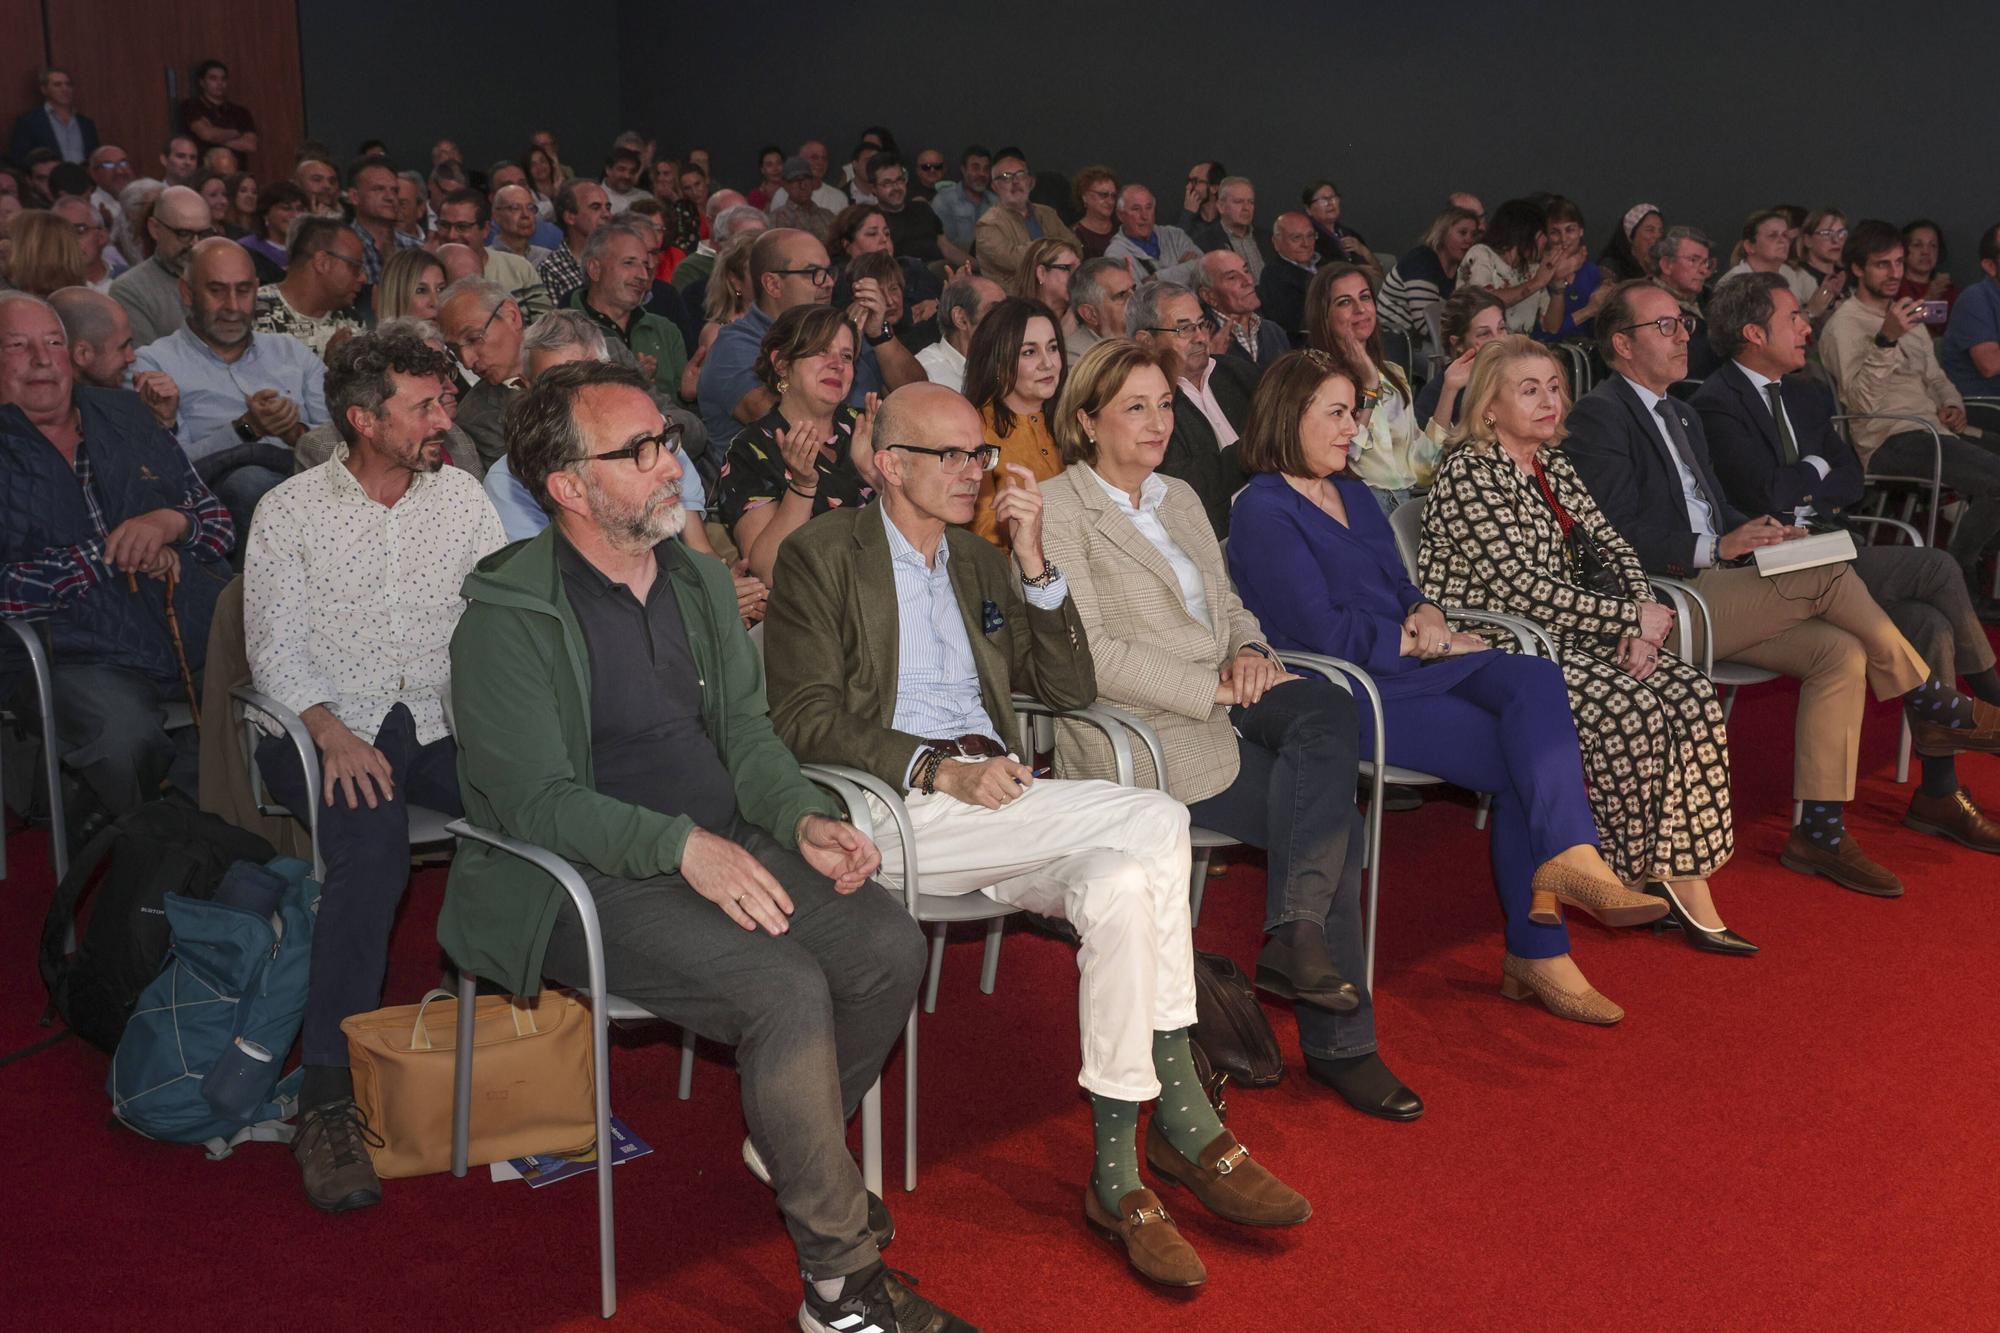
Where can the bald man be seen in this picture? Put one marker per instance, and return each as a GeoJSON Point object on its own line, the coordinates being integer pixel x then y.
{"type": "Point", "coordinates": [949, 628]}
{"type": "Point", "coordinates": [246, 397]}
{"type": "Point", "coordinates": [101, 352]}
{"type": "Point", "coordinates": [151, 291]}
{"type": "Point", "coordinates": [1283, 284]}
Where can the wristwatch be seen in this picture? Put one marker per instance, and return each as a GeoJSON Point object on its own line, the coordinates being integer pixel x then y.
{"type": "Point", "coordinates": [244, 430]}
{"type": "Point", "coordinates": [877, 339]}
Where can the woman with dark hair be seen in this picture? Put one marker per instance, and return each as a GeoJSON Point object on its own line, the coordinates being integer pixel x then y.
{"type": "Point", "coordinates": [1514, 262]}
{"type": "Point", "coordinates": [1924, 276]}
{"type": "Point", "coordinates": [770, 177]}
{"type": "Point", "coordinates": [861, 229]}
{"type": "Point", "coordinates": [1817, 254]}
{"type": "Point", "coordinates": [1628, 253]}
{"type": "Point", "coordinates": [1335, 243]}
{"type": "Point", "coordinates": [1316, 563]}
{"type": "Point", "coordinates": [1581, 287]}
{"type": "Point", "coordinates": [1095, 191]}
{"type": "Point", "coordinates": [278, 206]}
{"type": "Point", "coordinates": [1472, 318]}
{"type": "Point", "coordinates": [1391, 455]}
{"type": "Point", "coordinates": [213, 187]}
{"type": "Point", "coordinates": [1014, 368]}
{"type": "Point", "coordinates": [242, 216]}
{"type": "Point", "coordinates": [804, 456]}
{"type": "Point", "coordinates": [544, 179]}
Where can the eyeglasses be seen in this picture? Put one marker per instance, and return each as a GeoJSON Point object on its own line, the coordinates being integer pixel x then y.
{"type": "Point", "coordinates": [188, 235]}
{"type": "Point", "coordinates": [465, 345]}
{"type": "Point", "coordinates": [1021, 175]}
{"type": "Point", "coordinates": [115, 163]}
{"type": "Point", "coordinates": [891, 178]}
{"type": "Point", "coordinates": [1832, 233]}
{"type": "Point", "coordinates": [930, 168]}
{"type": "Point", "coordinates": [644, 451]}
{"type": "Point", "coordinates": [951, 462]}
{"type": "Point", "coordinates": [1186, 328]}
{"type": "Point", "coordinates": [819, 275]}
{"type": "Point", "coordinates": [1666, 324]}
{"type": "Point", "coordinates": [359, 266]}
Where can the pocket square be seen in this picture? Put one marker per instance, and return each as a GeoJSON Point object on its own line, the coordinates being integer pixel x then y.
{"type": "Point", "coordinates": [990, 619]}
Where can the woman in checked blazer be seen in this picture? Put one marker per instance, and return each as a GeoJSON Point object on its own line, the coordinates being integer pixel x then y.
{"type": "Point", "coordinates": [1257, 753]}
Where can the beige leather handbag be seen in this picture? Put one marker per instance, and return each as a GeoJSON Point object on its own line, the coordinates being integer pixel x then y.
{"type": "Point", "coordinates": [531, 1088]}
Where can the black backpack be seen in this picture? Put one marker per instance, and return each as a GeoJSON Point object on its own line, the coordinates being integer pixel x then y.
{"type": "Point", "coordinates": [161, 848]}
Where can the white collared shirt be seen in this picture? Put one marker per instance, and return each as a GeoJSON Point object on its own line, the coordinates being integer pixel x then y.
{"type": "Point", "coordinates": [1818, 464]}
{"type": "Point", "coordinates": [1700, 517]}
{"type": "Point", "coordinates": [945, 365]}
{"type": "Point", "coordinates": [1204, 398]}
{"type": "Point", "coordinates": [1145, 516]}
{"type": "Point", "coordinates": [351, 603]}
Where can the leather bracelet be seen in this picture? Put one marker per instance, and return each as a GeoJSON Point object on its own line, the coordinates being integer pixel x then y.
{"type": "Point", "coordinates": [1044, 579]}
{"type": "Point", "coordinates": [927, 771]}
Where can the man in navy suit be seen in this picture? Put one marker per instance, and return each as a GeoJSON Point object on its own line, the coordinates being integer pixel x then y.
{"type": "Point", "coordinates": [55, 124]}
{"type": "Point", "coordinates": [1285, 279]}
{"type": "Point", "coordinates": [1645, 458]}
{"type": "Point", "coordinates": [1775, 449]}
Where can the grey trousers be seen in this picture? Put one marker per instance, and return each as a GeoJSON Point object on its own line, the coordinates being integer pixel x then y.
{"type": "Point", "coordinates": [812, 1014]}
{"type": "Point", "coordinates": [1924, 592]}
{"type": "Point", "coordinates": [111, 726]}
{"type": "Point", "coordinates": [1970, 467]}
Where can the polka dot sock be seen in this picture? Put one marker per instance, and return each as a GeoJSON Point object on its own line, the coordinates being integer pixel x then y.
{"type": "Point", "coordinates": [1935, 701]}
{"type": "Point", "coordinates": [1115, 1173]}
{"type": "Point", "coordinates": [1823, 822]}
{"type": "Point", "coordinates": [1184, 1114]}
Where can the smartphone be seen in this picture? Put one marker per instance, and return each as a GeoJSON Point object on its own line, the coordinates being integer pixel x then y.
{"type": "Point", "coordinates": [1932, 312]}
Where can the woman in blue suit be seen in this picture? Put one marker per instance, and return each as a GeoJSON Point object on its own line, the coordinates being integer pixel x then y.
{"type": "Point", "coordinates": [1316, 563]}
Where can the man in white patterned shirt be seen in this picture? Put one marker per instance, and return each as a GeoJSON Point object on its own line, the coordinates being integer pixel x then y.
{"type": "Point", "coordinates": [350, 596]}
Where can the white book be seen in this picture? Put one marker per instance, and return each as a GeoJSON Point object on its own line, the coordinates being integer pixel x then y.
{"type": "Point", "coordinates": [1822, 548]}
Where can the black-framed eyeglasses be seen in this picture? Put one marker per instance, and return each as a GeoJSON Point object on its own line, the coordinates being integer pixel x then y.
{"type": "Point", "coordinates": [1666, 324]}
{"type": "Point", "coordinates": [951, 462]}
{"type": "Point", "coordinates": [188, 235]}
{"type": "Point", "coordinates": [1187, 328]}
{"type": "Point", "coordinates": [359, 266]}
{"type": "Point", "coordinates": [819, 275]}
{"type": "Point", "coordinates": [644, 451]}
{"type": "Point", "coordinates": [459, 348]}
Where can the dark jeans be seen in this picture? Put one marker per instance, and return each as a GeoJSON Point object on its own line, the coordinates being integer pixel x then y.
{"type": "Point", "coordinates": [812, 1014]}
{"type": "Point", "coordinates": [1971, 468]}
{"type": "Point", "coordinates": [111, 725]}
{"type": "Point", "coordinates": [239, 476]}
{"type": "Point", "coordinates": [367, 857]}
{"type": "Point", "coordinates": [1294, 797]}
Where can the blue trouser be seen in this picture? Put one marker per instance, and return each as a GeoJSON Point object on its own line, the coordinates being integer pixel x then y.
{"type": "Point", "coordinates": [1294, 797]}
{"type": "Point", "coordinates": [367, 857]}
{"type": "Point", "coordinates": [1505, 729]}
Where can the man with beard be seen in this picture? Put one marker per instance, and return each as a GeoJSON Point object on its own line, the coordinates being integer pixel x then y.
{"type": "Point", "coordinates": [358, 656]}
{"type": "Point", "coordinates": [483, 328]}
{"type": "Point", "coordinates": [246, 397]}
{"type": "Point", "coordinates": [314, 301]}
{"type": "Point", "coordinates": [151, 291]}
{"type": "Point", "coordinates": [461, 220]}
{"type": "Point", "coordinates": [612, 711]}
{"type": "Point", "coordinates": [618, 279]}
{"type": "Point", "coordinates": [101, 351]}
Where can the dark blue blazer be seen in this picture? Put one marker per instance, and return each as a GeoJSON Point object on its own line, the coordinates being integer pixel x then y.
{"type": "Point", "coordinates": [1283, 288]}
{"type": "Point", "coordinates": [1628, 465]}
{"type": "Point", "coordinates": [1743, 444]}
{"type": "Point", "coordinates": [1318, 586]}
{"type": "Point", "coordinates": [33, 130]}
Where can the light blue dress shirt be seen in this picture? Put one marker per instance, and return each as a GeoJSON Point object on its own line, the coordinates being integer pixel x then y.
{"type": "Point", "coordinates": [214, 391]}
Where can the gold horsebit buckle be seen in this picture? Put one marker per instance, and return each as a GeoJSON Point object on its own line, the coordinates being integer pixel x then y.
{"type": "Point", "coordinates": [1230, 1160]}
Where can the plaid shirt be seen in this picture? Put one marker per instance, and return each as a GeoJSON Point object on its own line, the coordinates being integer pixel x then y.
{"type": "Point", "coordinates": [561, 274]}
{"type": "Point", "coordinates": [62, 574]}
{"type": "Point", "coordinates": [371, 254]}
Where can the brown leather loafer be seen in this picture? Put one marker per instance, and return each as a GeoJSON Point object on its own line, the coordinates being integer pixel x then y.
{"type": "Point", "coordinates": [1228, 1183]}
{"type": "Point", "coordinates": [1153, 1244]}
{"type": "Point", "coordinates": [1845, 865]}
{"type": "Point", "coordinates": [1934, 740]}
{"type": "Point", "coordinates": [1954, 817]}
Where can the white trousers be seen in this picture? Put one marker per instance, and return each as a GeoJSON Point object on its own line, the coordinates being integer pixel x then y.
{"type": "Point", "coordinates": [1113, 861]}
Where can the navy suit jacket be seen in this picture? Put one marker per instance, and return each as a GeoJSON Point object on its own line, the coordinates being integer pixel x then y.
{"type": "Point", "coordinates": [1744, 446]}
{"type": "Point", "coordinates": [32, 130]}
{"type": "Point", "coordinates": [1283, 288]}
{"type": "Point", "coordinates": [1625, 460]}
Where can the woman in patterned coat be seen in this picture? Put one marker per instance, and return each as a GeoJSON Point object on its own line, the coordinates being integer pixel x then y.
{"type": "Point", "coordinates": [1501, 532]}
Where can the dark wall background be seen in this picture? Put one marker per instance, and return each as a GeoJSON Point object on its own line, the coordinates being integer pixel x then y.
{"type": "Point", "coordinates": [1707, 110]}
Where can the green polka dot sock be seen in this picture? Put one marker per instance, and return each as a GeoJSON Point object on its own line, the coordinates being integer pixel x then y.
{"type": "Point", "coordinates": [1184, 1114]}
{"type": "Point", "coordinates": [1115, 1172]}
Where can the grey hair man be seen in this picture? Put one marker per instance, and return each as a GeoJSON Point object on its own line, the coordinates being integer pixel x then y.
{"type": "Point", "coordinates": [1156, 251]}
{"type": "Point", "coordinates": [1235, 227]}
{"type": "Point", "coordinates": [1222, 280]}
{"type": "Point", "coordinates": [1211, 396]}
{"type": "Point", "coordinates": [1685, 266]}
{"type": "Point", "coordinates": [964, 303]}
{"type": "Point", "coordinates": [1098, 292]}
{"type": "Point", "coordinates": [725, 225]}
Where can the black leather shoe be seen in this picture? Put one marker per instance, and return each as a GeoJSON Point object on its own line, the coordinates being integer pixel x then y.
{"type": "Point", "coordinates": [1367, 1085]}
{"type": "Point", "coordinates": [1296, 966]}
{"type": "Point", "coordinates": [1701, 937]}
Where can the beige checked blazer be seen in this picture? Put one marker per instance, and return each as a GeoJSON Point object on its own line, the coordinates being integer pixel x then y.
{"type": "Point", "coordinates": [1152, 657]}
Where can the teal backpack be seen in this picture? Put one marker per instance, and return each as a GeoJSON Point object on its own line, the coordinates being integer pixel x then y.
{"type": "Point", "coordinates": [232, 973]}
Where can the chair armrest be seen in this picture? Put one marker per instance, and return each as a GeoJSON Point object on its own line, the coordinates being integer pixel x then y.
{"type": "Point", "coordinates": [1687, 603]}
{"type": "Point", "coordinates": [566, 876]}
{"type": "Point", "coordinates": [1936, 479]}
{"type": "Point", "coordinates": [850, 784]}
{"type": "Point", "coordinates": [291, 727]}
{"type": "Point", "coordinates": [1347, 675]}
{"type": "Point", "coordinates": [1140, 728]}
{"type": "Point", "coordinates": [1113, 728]}
{"type": "Point", "coordinates": [1532, 638]}
{"type": "Point", "coordinates": [1893, 524]}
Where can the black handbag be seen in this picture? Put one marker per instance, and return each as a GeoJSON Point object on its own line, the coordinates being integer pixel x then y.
{"type": "Point", "coordinates": [1590, 565]}
{"type": "Point", "coordinates": [1230, 1026]}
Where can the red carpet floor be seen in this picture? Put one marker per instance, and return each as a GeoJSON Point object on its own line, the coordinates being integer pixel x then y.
{"type": "Point", "coordinates": [1804, 1139]}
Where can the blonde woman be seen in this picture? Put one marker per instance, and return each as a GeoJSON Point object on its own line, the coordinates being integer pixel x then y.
{"type": "Point", "coordinates": [726, 298]}
{"type": "Point", "coordinates": [47, 256]}
{"type": "Point", "coordinates": [1510, 527]}
{"type": "Point", "coordinates": [1044, 275]}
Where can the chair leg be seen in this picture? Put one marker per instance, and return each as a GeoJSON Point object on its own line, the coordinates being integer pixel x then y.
{"type": "Point", "coordinates": [910, 1102]}
{"type": "Point", "coordinates": [871, 1138]}
{"type": "Point", "coordinates": [461, 1083]}
{"type": "Point", "coordinates": [1485, 808]}
{"type": "Point", "coordinates": [989, 968]}
{"type": "Point", "coordinates": [1728, 702]}
{"type": "Point", "coordinates": [1197, 885]}
{"type": "Point", "coordinates": [687, 1063]}
{"type": "Point", "coordinates": [1903, 753]}
{"type": "Point", "coordinates": [937, 967]}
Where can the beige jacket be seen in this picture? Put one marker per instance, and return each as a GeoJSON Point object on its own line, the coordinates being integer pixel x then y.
{"type": "Point", "coordinates": [1153, 658]}
{"type": "Point", "coordinates": [1001, 238]}
{"type": "Point", "coordinates": [225, 788]}
{"type": "Point", "coordinates": [1905, 378]}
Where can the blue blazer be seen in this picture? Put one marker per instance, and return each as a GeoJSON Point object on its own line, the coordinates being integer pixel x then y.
{"type": "Point", "coordinates": [1319, 586]}
{"type": "Point", "coordinates": [32, 130]}
{"type": "Point", "coordinates": [1743, 444]}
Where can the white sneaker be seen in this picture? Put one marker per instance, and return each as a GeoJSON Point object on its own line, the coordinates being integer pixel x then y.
{"type": "Point", "coordinates": [756, 1163]}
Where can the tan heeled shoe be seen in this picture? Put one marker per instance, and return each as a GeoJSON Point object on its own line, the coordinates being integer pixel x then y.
{"type": "Point", "coordinates": [1518, 981]}
{"type": "Point", "coordinates": [1611, 903]}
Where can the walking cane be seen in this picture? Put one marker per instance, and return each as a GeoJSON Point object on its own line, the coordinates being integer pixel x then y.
{"type": "Point", "coordinates": [174, 633]}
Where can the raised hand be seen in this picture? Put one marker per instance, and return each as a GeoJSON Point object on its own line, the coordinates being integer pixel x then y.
{"type": "Point", "coordinates": [1019, 507]}
{"type": "Point", "coordinates": [800, 446]}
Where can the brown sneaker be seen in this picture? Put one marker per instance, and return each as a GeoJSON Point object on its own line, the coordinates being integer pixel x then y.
{"type": "Point", "coordinates": [1228, 1183]}
{"type": "Point", "coordinates": [1844, 864]}
{"type": "Point", "coordinates": [1934, 740]}
{"type": "Point", "coordinates": [331, 1148]}
{"type": "Point", "coordinates": [1954, 817]}
{"type": "Point", "coordinates": [1153, 1244]}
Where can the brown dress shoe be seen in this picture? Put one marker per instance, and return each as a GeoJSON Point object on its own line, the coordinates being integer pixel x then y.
{"type": "Point", "coordinates": [1846, 865]}
{"type": "Point", "coordinates": [1954, 817]}
{"type": "Point", "coordinates": [1228, 1183]}
{"type": "Point", "coordinates": [1152, 1242]}
{"type": "Point", "coordinates": [1518, 981]}
{"type": "Point", "coordinates": [1934, 740]}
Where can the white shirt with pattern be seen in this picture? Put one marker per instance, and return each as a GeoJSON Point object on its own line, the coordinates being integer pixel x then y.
{"type": "Point", "coordinates": [351, 603]}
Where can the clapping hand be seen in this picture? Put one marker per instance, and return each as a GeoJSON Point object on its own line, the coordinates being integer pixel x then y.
{"type": "Point", "coordinates": [800, 445]}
